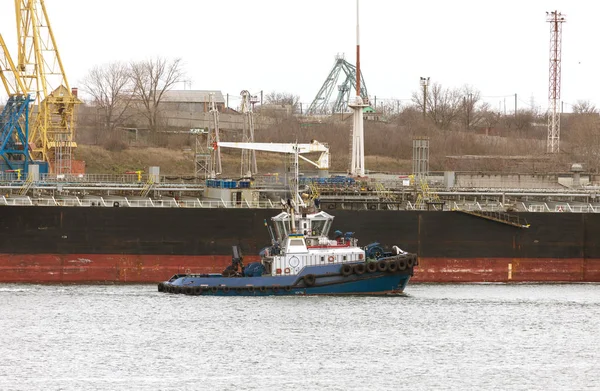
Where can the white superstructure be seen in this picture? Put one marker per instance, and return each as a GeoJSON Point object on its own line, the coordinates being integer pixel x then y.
{"type": "Point", "coordinates": [309, 245]}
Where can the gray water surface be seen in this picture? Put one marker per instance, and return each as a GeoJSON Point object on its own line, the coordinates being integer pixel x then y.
{"type": "Point", "coordinates": [526, 337]}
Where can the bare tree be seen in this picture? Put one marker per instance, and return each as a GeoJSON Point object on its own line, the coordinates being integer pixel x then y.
{"type": "Point", "coordinates": [584, 140]}
{"type": "Point", "coordinates": [584, 107]}
{"type": "Point", "coordinates": [151, 79]}
{"type": "Point", "coordinates": [443, 105]}
{"type": "Point", "coordinates": [489, 118]}
{"type": "Point", "coordinates": [110, 88]}
{"type": "Point", "coordinates": [474, 112]}
{"type": "Point", "coordinates": [283, 98]}
{"type": "Point", "coordinates": [389, 107]}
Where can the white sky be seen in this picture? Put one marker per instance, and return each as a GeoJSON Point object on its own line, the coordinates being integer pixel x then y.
{"type": "Point", "coordinates": [500, 48]}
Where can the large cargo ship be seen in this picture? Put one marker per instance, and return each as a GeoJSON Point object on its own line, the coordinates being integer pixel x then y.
{"type": "Point", "coordinates": [64, 244]}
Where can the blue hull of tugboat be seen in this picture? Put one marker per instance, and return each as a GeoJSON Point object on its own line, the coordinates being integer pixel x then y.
{"type": "Point", "coordinates": [327, 281]}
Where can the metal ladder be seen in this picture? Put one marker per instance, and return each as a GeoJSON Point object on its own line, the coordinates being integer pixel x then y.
{"type": "Point", "coordinates": [499, 217]}
{"type": "Point", "coordinates": [26, 185]}
{"type": "Point", "coordinates": [147, 187]}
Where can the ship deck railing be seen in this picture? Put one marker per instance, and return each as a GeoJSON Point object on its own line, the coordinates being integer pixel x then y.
{"type": "Point", "coordinates": [132, 202]}
{"type": "Point", "coordinates": [560, 207]}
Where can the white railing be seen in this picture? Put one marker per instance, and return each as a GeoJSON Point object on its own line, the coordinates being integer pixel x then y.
{"type": "Point", "coordinates": [135, 202]}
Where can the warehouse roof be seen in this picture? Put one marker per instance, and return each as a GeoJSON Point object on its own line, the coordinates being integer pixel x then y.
{"type": "Point", "coordinates": [192, 96]}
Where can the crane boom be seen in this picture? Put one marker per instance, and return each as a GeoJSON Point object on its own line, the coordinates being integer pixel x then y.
{"type": "Point", "coordinates": [8, 72]}
{"type": "Point", "coordinates": [315, 146]}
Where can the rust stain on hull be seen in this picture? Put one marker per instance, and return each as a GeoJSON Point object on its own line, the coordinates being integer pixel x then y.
{"type": "Point", "coordinates": [118, 268]}
{"type": "Point", "coordinates": [507, 270]}
{"type": "Point", "coordinates": [105, 268]}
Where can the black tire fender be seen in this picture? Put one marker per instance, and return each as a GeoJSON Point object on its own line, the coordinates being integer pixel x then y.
{"type": "Point", "coordinates": [310, 279]}
{"type": "Point", "coordinates": [392, 267]}
{"type": "Point", "coordinates": [372, 267]}
{"type": "Point", "coordinates": [401, 264]}
{"type": "Point", "coordinates": [346, 270]}
{"type": "Point", "coordinates": [359, 268]}
{"type": "Point", "coordinates": [382, 266]}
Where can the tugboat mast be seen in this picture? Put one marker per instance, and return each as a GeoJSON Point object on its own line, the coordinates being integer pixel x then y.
{"type": "Point", "coordinates": [296, 199]}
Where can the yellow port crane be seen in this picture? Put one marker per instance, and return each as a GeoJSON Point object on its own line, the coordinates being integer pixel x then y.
{"type": "Point", "coordinates": [8, 72]}
{"type": "Point", "coordinates": [40, 68]}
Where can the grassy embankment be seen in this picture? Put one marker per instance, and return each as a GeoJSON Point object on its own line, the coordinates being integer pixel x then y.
{"type": "Point", "coordinates": [181, 162]}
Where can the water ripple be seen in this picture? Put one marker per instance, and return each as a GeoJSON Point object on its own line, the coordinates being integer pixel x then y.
{"type": "Point", "coordinates": [518, 337]}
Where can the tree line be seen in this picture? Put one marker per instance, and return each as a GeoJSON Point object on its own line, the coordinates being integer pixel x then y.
{"type": "Point", "coordinates": [121, 90]}
{"type": "Point", "coordinates": [451, 117]}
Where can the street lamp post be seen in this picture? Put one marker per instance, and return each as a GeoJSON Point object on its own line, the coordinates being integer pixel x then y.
{"type": "Point", "coordinates": [468, 103]}
{"type": "Point", "coordinates": [424, 84]}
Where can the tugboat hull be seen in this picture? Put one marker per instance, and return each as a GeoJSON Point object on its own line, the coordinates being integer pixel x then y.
{"type": "Point", "coordinates": [312, 281]}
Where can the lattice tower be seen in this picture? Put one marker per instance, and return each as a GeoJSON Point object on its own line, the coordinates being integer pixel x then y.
{"type": "Point", "coordinates": [556, 19]}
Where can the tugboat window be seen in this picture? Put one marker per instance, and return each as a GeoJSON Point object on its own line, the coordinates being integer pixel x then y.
{"type": "Point", "coordinates": [327, 226]}
{"type": "Point", "coordinates": [317, 226]}
{"type": "Point", "coordinates": [279, 228]}
{"type": "Point", "coordinates": [288, 226]}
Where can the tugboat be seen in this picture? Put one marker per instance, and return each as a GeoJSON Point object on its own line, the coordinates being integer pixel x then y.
{"type": "Point", "coordinates": [303, 260]}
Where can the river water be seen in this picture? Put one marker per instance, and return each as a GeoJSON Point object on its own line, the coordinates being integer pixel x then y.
{"type": "Point", "coordinates": [438, 337]}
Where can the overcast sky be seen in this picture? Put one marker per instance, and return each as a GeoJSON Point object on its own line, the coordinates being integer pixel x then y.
{"type": "Point", "coordinates": [500, 48]}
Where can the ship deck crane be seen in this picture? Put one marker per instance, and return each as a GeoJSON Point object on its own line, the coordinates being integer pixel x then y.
{"type": "Point", "coordinates": [321, 163]}
{"type": "Point", "coordinates": [295, 151]}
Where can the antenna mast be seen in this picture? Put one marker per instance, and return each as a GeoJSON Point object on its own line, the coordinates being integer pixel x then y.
{"type": "Point", "coordinates": [556, 19]}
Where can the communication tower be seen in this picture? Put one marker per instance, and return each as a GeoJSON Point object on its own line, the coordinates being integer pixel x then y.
{"type": "Point", "coordinates": [556, 19]}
